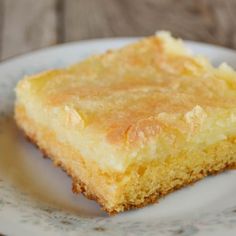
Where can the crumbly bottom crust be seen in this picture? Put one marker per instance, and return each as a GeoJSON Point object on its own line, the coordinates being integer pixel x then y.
{"type": "Point", "coordinates": [79, 187]}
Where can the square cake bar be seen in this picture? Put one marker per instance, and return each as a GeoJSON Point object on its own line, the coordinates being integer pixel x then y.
{"type": "Point", "coordinates": [133, 124]}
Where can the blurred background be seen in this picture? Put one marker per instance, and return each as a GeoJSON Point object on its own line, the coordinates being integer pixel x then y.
{"type": "Point", "coordinates": [27, 25]}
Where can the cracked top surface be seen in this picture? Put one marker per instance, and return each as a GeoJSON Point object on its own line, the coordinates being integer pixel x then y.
{"type": "Point", "coordinates": [150, 87]}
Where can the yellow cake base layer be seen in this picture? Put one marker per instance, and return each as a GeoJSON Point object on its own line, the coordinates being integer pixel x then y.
{"type": "Point", "coordinates": [142, 183]}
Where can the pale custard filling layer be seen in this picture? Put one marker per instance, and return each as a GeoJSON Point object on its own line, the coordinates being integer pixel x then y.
{"type": "Point", "coordinates": [94, 146]}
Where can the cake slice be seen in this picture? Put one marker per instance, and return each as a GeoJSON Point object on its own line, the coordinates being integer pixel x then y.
{"type": "Point", "coordinates": [133, 124]}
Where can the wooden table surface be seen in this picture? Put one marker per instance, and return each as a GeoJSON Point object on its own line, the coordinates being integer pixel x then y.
{"type": "Point", "coordinates": [27, 25]}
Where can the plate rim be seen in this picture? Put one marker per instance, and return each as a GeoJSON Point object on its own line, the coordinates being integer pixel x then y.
{"type": "Point", "coordinates": [66, 45]}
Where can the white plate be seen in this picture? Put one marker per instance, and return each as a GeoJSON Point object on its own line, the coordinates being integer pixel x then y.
{"type": "Point", "coordinates": [36, 197]}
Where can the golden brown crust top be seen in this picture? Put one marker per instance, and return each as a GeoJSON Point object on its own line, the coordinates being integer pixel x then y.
{"type": "Point", "coordinates": [136, 92]}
